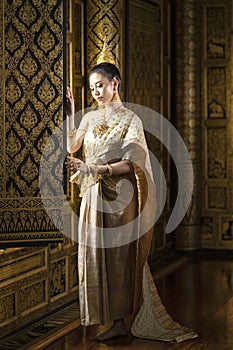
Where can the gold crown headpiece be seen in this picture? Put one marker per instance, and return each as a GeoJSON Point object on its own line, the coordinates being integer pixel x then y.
{"type": "Point", "coordinates": [106, 55]}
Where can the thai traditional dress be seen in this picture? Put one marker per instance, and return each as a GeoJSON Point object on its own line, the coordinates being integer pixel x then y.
{"type": "Point", "coordinates": [116, 221]}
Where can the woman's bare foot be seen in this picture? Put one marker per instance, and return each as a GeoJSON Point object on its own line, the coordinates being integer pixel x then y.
{"type": "Point", "coordinates": [118, 329]}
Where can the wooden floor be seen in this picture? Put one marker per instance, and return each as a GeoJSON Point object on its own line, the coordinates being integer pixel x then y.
{"type": "Point", "coordinates": [198, 294]}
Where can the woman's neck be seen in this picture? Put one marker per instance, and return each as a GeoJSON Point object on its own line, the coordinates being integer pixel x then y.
{"type": "Point", "coordinates": [112, 106]}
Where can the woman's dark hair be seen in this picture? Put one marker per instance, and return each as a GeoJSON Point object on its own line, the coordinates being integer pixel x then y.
{"type": "Point", "coordinates": [108, 70]}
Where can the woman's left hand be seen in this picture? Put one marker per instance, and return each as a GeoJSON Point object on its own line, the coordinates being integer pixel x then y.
{"type": "Point", "coordinates": [69, 102]}
{"type": "Point", "coordinates": [77, 164]}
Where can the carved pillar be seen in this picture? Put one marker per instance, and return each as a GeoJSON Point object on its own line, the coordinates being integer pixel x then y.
{"type": "Point", "coordinates": [104, 20]}
{"type": "Point", "coordinates": [187, 110]}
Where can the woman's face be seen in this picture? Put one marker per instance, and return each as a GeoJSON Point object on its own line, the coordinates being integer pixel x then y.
{"type": "Point", "coordinates": [102, 88]}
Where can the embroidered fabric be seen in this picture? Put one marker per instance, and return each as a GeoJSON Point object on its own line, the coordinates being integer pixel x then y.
{"type": "Point", "coordinates": [152, 321]}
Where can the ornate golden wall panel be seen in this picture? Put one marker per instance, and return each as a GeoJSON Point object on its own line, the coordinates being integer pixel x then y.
{"type": "Point", "coordinates": [148, 84]}
{"type": "Point", "coordinates": [145, 54]}
{"type": "Point", "coordinates": [187, 76]}
{"type": "Point", "coordinates": [2, 106]}
{"type": "Point", "coordinates": [34, 281]}
{"type": "Point", "coordinates": [31, 97]}
{"type": "Point", "coordinates": [23, 265]}
{"type": "Point", "coordinates": [104, 20]}
{"type": "Point", "coordinates": [217, 130]}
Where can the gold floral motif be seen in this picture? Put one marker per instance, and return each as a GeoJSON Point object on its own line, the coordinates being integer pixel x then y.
{"type": "Point", "coordinates": [42, 142]}
{"type": "Point", "coordinates": [46, 92]}
{"type": "Point", "coordinates": [46, 40]}
{"type": "Point", "coordinates": [27, 13]}
{"type": "Point", "coordinates": [103, 21]}
{"type": "Point", "coordinates": [57, 277]}
{"type": "Point", "coordinates": [217, 153]}
{"type": "Point", "coordinates": [7, 307]}
{"type": "Point", "coordinates": [28, 65]}
{"type": "Point", "coordinates": [100, 129]}
{"type": "Point", "coordinates": [32, 296]}
{"type": "Point", "coordinates": [29, 119]}
{"type": "Point", "coordinates": [58, 14]}
{"type": "Point", "coordinates": [13, 145]}
{"type": "Point", "coordinates": [29, 171]}
{"type": "Point", "coordinates": [13, 40]}
{"type": "Point", "coordinates": [13, 92]}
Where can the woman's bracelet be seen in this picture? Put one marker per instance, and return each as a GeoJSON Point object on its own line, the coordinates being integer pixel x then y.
{"type": "Point", "coordinates": [109, 169]}
{"type": "Point", "coordinates": [93, 169]}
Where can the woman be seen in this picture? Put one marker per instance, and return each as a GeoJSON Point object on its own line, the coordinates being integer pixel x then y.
{"type": "Point", "coordinates": [116, 221]}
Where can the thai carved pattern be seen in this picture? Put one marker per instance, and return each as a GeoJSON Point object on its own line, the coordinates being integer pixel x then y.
{"type": "Point", "coordinates": [26, 219]}
{"type": "Point", "coordinates": [187, 109]}
{"type": "Point", "coordinates": [58, 278]}
{"type": "Point", "coordinates": [217, 128]}
{"type": "Point", "coordinates": [2, 105]}
{"type": "Point", "coordinates": [103, 22]}
{"type": "Point", "coordinates": [145, 51]}
{"type": "Point", "coordinates": [73, 270]}
{"type": "Point", "coordinates": [19, 266]}
{"type": "Point", "coordinates": [144, 44]}
{"type": "Point", "coordinates": [77, 43]}
{"type": "Point", "coordinates": [7, 307]}
{"type": "Point", "coordinates": [216, 94]}
{"type": "Point", "coordinates": [34, 42]}
{"type": "Point", "coordinates": [32, 296]}
{"type": "Point", "coordinates": [148, 65]}
{"type": "Point", "coordinates": [217, 153]}
{"type": "Point", "coordinates": [207, 228]}
{"type": "Point", "coordinates": [216, 32]}
{"type": "Point", "coordinates": [217, 197]}
{"type": "Point", "coordinates": [192, 212]}
{"type": "Point", "coordinates": [227, 228]}
{"type": "Point", "coordinates": [33, 282]}
{"type": "Point", "coordinates": [31, 108]}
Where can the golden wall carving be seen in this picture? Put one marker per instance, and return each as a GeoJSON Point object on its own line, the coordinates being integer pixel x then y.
{"type": "Point", "coordinates": [34, 281]}
{"type": "Point", "coordinates": [2, 174]}
{"type": "Point", "coordinates": [148, 81]}
{"type": "Point", "coordinates": [216, 29]}
{"type": "Point", "coordinates": [104, 20]}
{"type": "Point", "coordinates": [217, 152]}
{"type": "Point", "coordinates": [217, 130]}
{"type": "Point", "coordinates": [187, 109]}
{"type": "Point", "coordinates": [31, 59]}
{"type": "Point", "coordinates": [145, 54]}
{"type": "Point", "coordinates": [216, 92]}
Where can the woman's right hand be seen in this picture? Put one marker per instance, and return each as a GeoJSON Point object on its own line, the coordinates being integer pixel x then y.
{"type": "Point", "coordinates": [69, 102]}
{"type": "Point", "coordinates": [76, 164]}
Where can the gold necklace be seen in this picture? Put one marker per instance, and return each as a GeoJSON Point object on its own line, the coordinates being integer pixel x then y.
{"type": "Point", "coordinates": [101, 128]}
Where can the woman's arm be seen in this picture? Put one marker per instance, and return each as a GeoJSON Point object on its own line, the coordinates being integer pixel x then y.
{"type": "Point", "coordinates": [74, 140]}
{"type": "Point", "coordinates": [74, 136]}
{"type": "Point", "coordinates": [118, 168]}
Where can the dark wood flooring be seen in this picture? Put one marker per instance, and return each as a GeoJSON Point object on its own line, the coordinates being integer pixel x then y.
{"type": "Point", "coordinates": [198, 294]}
